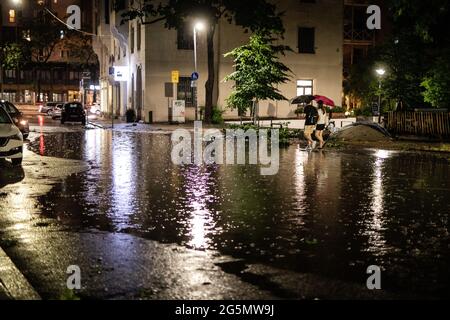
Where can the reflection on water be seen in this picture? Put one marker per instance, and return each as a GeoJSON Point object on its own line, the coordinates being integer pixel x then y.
{"type": "Point", "coordinates": [332, 213]}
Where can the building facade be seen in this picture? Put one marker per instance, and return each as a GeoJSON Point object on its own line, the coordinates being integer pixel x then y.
{"type": "Point", "coordinates": [149, 54]}
{"type": "Point", "coordinates": [358, 39]}
{"type": "Point", "coordinates": [60, 76]}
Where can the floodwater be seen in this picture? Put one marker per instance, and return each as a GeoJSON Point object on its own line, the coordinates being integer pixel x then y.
{"type": "Point", "coordinates": [332, 213]}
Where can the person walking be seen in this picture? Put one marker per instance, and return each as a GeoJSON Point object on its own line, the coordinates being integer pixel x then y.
{"type": "Point", "coordinates": [310, 124]}
{"type": "Point", "coordinates": [321, 123]}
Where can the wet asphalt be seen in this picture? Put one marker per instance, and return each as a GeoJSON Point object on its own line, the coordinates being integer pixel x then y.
{"type": "Point", "coordinates": [139, 227]}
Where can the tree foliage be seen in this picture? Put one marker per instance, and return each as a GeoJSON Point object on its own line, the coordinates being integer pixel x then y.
{"type": "Point", "coordinates": [11, 56]}
{"type": "Point", "coordinates": [413, 56]}
{"type": "Point", "coordinates": [258, 72]}
{"type": "Point", "coordinates": [437, 85]}
{"type": "Point", "coordinates": [422, 51]}
{"type": "Point", "coordinates": [44, 33]}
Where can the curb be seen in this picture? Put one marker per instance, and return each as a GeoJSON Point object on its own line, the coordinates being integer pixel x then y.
{"type": "Point", "coordinates": [96, 125]}
{"type": "Point", "coordinates": [13, 285]}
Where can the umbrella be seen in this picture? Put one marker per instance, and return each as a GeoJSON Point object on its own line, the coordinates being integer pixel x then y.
{"type": "Point", "coordinates": [302, 99]}
{"type": "Point", "coordinates": [326, 101]}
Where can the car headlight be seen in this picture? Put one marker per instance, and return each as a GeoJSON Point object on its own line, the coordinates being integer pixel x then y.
{"type": "Point", "coordinates": [23, 122]}
{"type": "Point", "coordinates": [16, 137]}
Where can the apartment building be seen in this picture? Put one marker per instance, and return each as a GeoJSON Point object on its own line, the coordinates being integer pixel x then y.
{"type": "Point", "coordinates": [358, 39]}
{"type": "Point", "coordinates": [147, 55]}
{"type": "Point", "coordinates": [60, 76]}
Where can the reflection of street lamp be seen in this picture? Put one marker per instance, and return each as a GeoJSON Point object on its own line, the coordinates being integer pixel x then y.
{"type": "Point", "coordinates": [380, 72]}
{"type": "Point", "coordinates": [198, 26]}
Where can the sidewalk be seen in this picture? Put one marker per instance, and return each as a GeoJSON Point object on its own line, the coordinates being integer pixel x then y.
{"type": "Point", "coordinates": [157, 127]}
{"type": "Point", "coordinates": [13, 285]}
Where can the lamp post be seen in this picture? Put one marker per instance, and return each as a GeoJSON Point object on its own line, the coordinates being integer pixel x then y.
{"type": "Point", "coordinates": [380, 72]}
{"type": "Point", "coordinates": [198, 26]}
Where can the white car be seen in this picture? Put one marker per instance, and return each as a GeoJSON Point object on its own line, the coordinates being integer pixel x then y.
{"type": "Point", "coordinates": [56, 112]}
{"type": "Point", "coordinates": [11, 140]}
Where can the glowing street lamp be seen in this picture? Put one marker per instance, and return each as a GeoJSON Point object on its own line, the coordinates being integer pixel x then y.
{"type": "Point", "coordinates": [198, 26]}
{"type": "Point", "coordinates": [380, 72]}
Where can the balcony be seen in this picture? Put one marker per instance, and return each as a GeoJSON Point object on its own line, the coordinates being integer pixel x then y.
{"type": "Point", "coordinates": [358, 36]}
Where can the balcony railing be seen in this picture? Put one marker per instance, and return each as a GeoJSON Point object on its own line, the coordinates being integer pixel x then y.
{"type": "Point", "coordinates": [363, 35]}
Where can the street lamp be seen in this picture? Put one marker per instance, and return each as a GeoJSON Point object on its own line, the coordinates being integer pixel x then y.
{"type": "Point", "coordinates": [380, 72]}
{"type": "Point", "coordinates": [198, 26]}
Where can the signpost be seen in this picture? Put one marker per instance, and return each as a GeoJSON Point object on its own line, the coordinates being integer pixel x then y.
{"type": "Point", "coordinates": [194, 77]}
{"type": "Point", "coordinates": [168, 90]}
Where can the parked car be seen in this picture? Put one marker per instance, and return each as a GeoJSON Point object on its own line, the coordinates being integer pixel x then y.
{"type": "Point", "coordinates": [48, 107]}
{"type": "Point", "coordinates": [73, 112]}
{"type": "Point", "coordinates": [56, 112]}
{"type": "Point", "coordinates": [17, 117]}
{"type": "Point", "coordinates": [11, 139]}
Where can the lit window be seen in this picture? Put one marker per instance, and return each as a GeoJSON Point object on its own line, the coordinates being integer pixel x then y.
{"type": "Point", "coordinates": [12, 16]}
{"type": "Point", "coordinates": [305, 87]}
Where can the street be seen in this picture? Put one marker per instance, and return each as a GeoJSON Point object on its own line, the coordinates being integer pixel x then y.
{"type": "Point", "coordinates": [139, 227]}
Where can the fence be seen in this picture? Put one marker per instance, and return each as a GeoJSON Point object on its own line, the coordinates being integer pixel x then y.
{"type": "Point", "coordinates": [430, 124]}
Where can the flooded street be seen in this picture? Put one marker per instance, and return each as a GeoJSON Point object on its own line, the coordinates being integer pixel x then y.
{"type": "Point", "coordinates": [330, 214]}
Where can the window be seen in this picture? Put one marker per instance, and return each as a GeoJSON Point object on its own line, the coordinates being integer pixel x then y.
{"type": "Point", "coordinates": [107, 11]}
{"type": "Point", "coordinates": [58, 75]}
{"type": "Point", "coordinates": [306, 40]}
{"type": "Point", "coordinates": [139, 27]}
{"type": "Point", "coordinates": [186, 92]}
{"type": "Point", "coordinates": [12, 16]}
{"type": "Point", "coordinates": [46, 75]}
{"type": "Point", "coordinates": [132, 40]}
{"type": "Point", "coordinates": [26, 75]}
{"type": "Point", "coordinates": [74, 75]}
{"type": "Point", "coordinates": [305, 87]}
{"type": "Point", "coordinates": [120, 5]}
{"type": "Point", "coordinates": [185, 37]}
{"type": "Point", "coordinates": [10, 74]}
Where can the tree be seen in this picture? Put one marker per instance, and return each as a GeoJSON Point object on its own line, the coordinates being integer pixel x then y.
{"type": "Point", "coordinates": [11, 57]}
{"type": "Point", "coordinates": [43, 35]}
{"type": "Point", "coordinates": [437, 85]}
{"type": "Point", "coordinates": [419, 54]}
{"type": "Point", "coordinates": [80, 47]}
{"type": "Point", "coordinates": [406, 59]}
{"type": "Point", "coordinates": [258, 72]}
{"type": "Point", "coordinates": [361, 85]}
{"type": "Point", "coordinates": [252, 15]}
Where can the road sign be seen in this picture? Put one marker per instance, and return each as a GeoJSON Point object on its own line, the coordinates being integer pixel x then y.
{"type": "Point", "coordinates": [175, 76]}
{"type": "Point", "coordinates": [195, 76]}
{"type": "Point", "coordinates": [193, 84]}
{"type": "Point", "coordinates": [86, 76]}
{"type": "Point", "coordinates": [168, 89]}
{"type": "Point", "coordinates": [121, 74]}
